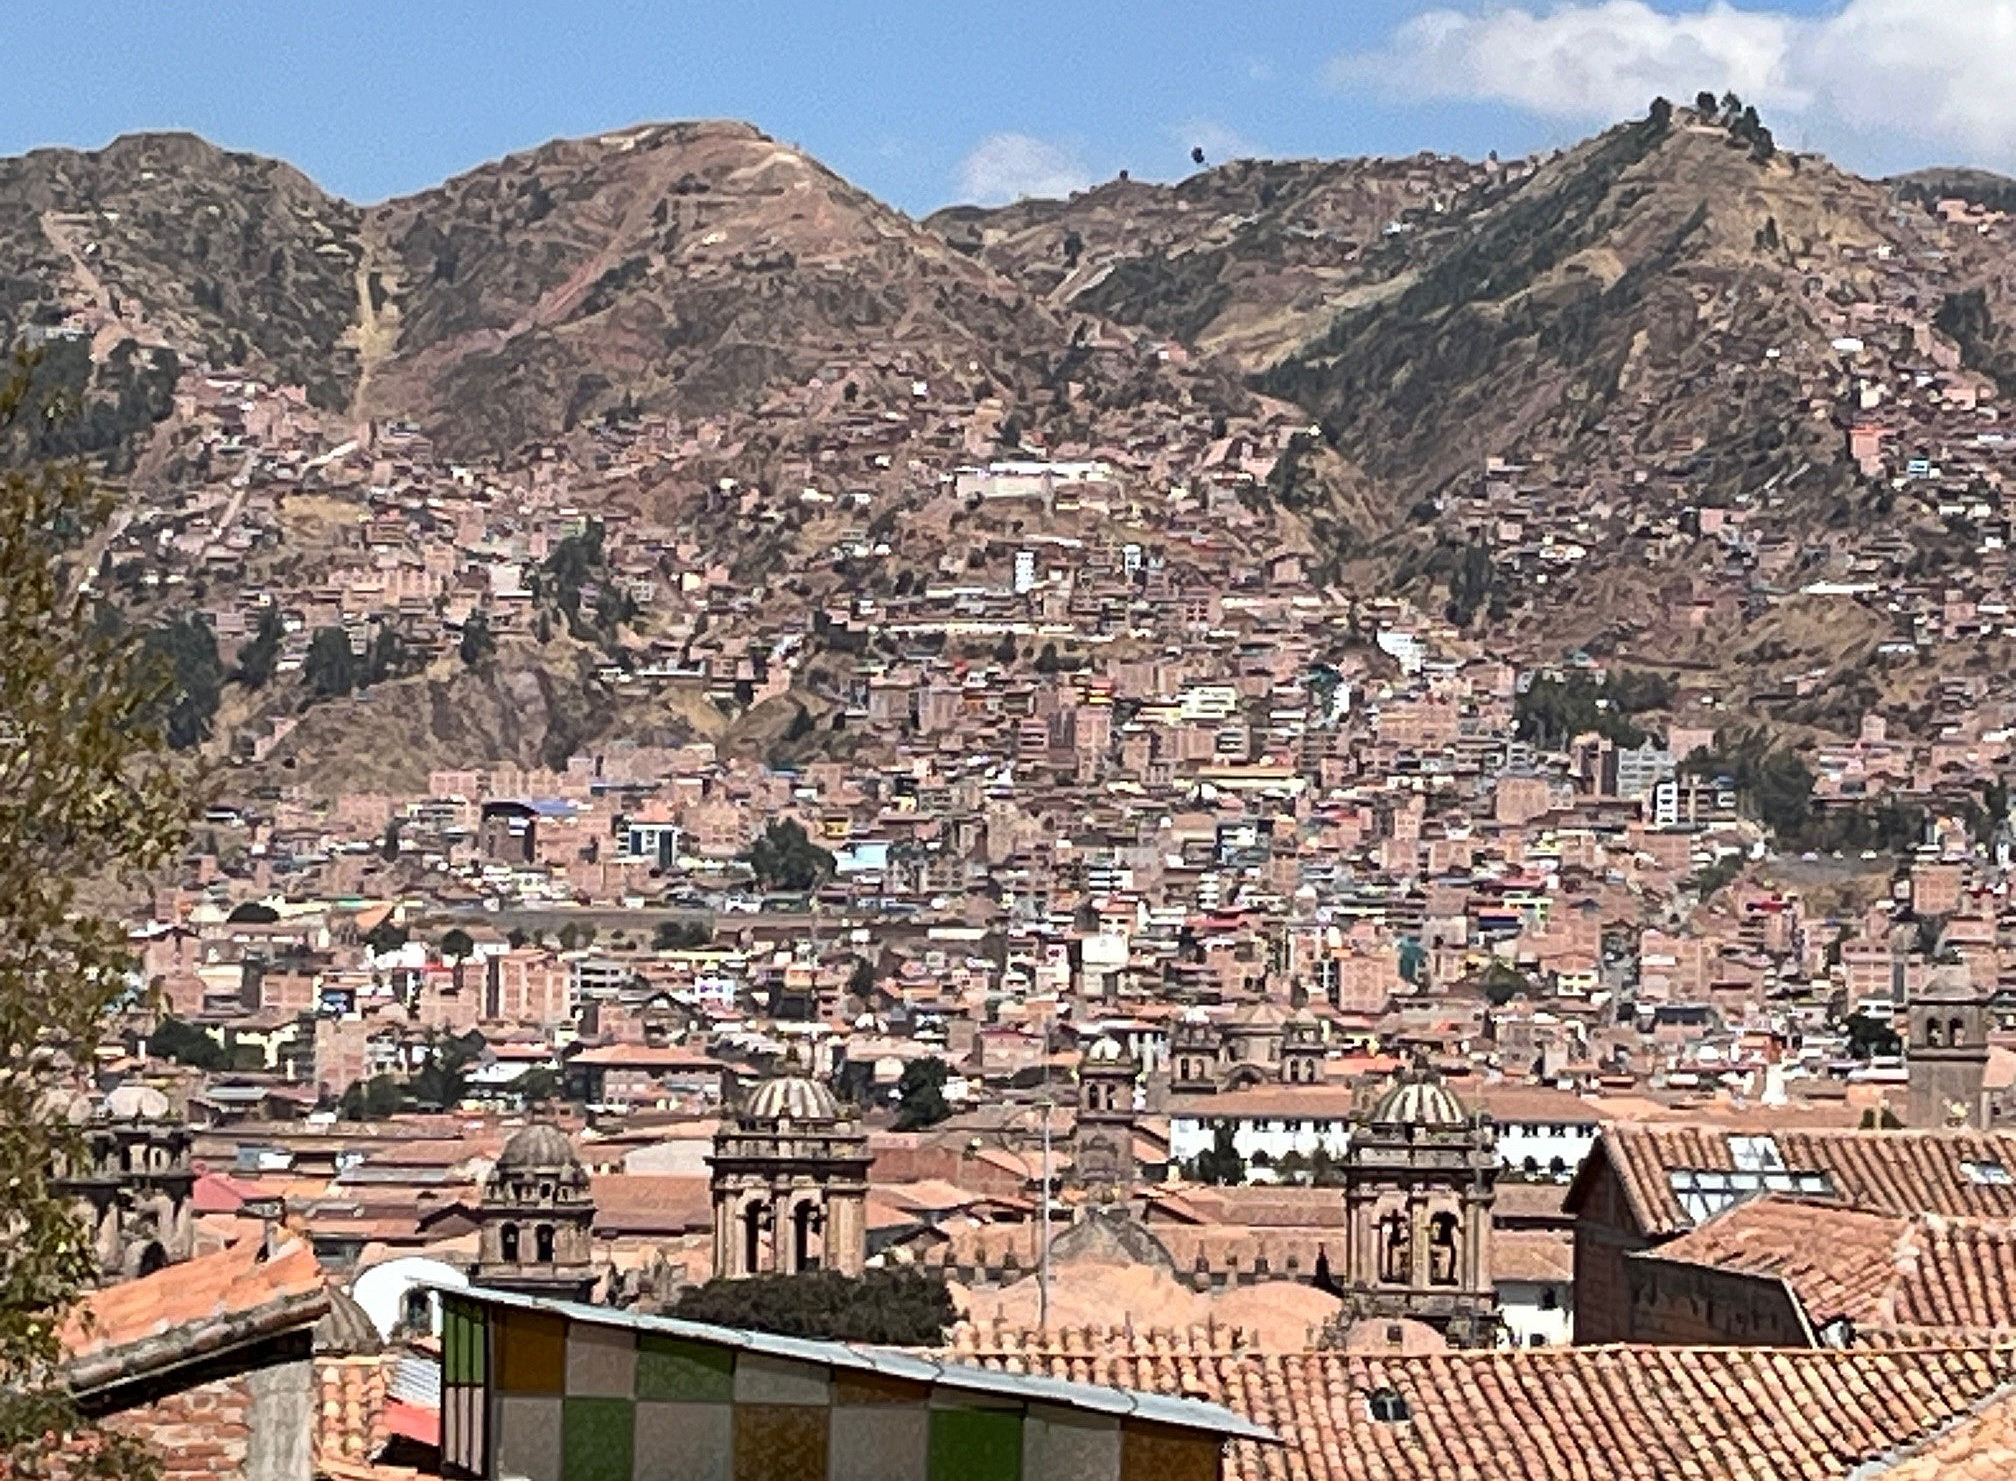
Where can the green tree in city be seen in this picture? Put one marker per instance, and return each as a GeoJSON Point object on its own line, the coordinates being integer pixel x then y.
{"type": "Point", "coordinates": [1221, 1162]}
{"type": "Point", "coordinates": [786, 858]}
{"type": "Point", "coordinates": [186, 1044]}
{"type": "Point", "coordinates": [920, 1095]}
{"type": "Point", "coordinates": [372, 1100]}
{"type": "Point", "coordinates": [387, 656]}
{"type": "Point", "coordinates": [893, 1307]}
{"type": "Point", "coordinates": [90, 797]}
{"type": "Point", "coordinates": [457, 946]}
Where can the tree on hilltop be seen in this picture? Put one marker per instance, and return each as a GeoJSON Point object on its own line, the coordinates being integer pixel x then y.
{"type": "Point", "coordinates": [330, 670]}
{"type": "Point", "coordinates": [260, 654]}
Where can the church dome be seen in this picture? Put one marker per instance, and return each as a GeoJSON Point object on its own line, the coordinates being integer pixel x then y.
{"type": "Point", "coordinates": [540, 1147]}
{"type": "Point", "coordinates": [137, 1103]}
{"type": "Point", "coordinates": [1419, 1098]}
{"type": "Point", "coordinates": [345, 1330]}
{"type": "Point", "coordinates": [791, 1098]}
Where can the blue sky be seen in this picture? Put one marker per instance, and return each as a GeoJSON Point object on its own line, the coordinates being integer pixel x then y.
{"type": "Point", "coordinates": [928, 103]}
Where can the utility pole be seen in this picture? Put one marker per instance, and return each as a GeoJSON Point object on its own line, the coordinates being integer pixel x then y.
{"type": "Point", "coordinates": [1043, 1232]}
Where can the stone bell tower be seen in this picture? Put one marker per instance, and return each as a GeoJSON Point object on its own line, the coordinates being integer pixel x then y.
{"type": "Point", "coordinates": [537, 1219]}
{"type": "Point", "coordinates": [790, 1182]}
{"type": "Point", "coordinates": [1946, 1053]}
{"type": "Point", "coordinates": [1420, 1178]}
{"type": "Point", "coordinates": [1102, 1145]}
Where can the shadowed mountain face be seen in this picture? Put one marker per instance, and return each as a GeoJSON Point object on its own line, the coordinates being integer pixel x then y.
{"type": "Point", "coordinates": [227, 257]}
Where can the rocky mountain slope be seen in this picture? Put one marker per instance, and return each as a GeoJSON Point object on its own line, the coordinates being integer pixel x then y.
{"type": "Point", "coordinates": [1507, 389]}
{"type": "Point", "coordinates": [690, 266]}
{"type": "Point", "coordinates": [165, 239]}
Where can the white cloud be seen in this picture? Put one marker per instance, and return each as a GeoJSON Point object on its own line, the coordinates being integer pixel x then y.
{"type": "Point", "coordinates": [1007, 167]}
{"type": "Point", "coordinates": [1871, 75]}
{"type": "Point", "coordinates": [1218, 142]}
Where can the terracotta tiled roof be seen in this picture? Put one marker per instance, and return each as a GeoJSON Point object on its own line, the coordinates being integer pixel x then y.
{"type": "Point", "coordinates": [181, 1312]}
{"type": "Point", "coordinates": [1924, 1273]}
{"type": "Point", "coordinates": [1555, 1414]}
{"type": "Point", "coordinates": [1886, 1172]}
{"type": "Point", "coordinates": [651, 1203]}
{"type": "Point", "coordinates": [1981, 1449]}
{"type": "Point", "coordinates": [1536, 1255]}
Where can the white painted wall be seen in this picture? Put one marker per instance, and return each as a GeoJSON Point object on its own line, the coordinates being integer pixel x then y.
{"type": "Point", "coordinates": [1523, 1307]}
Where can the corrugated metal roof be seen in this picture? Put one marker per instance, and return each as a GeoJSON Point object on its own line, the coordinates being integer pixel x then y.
{"type": "Point", "coordinates": [1191, 1414]}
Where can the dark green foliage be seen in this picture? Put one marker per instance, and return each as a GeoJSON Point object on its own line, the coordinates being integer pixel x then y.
{"type": "Point", "coordinates": [1502, 982]}
{"type": "Point", "coordinates": [1317, 1170]}
{"type": "Point", "coordinates": [537, 1086]}
{"type": "Point", "coordinates": [1470, 587]}
{"type": "Point", "coordinates": [78, 409]}
{"type": "Point", "coordinates": [183, 651]}
{"type": "Point", "coordinates": [786, 858]}
{"type": "Point", "coordinates": [1556, 709]}
{"type": "Point", "coordinates": [1778, 785]}
{"type": "Point", "coordinates": [1387, 378]}
{"type": "Point", "coordinates": [186, 1044]}
{"type": "Point", "coordinates": [89, 795]}
{"type": "Point", "coordinates": [457, 945]}
{"type": "Point", "coordinates": [1869, 1035]}
{"type": "Point", "coordinates": [676, 935]}
{"type": "Point", "coordinates": [1222, 1164]}
{"type": "Point", "coordinates": [1966, 319]}
{"type": "Point", "coordinates": [890, 1307]}
{"type": "Point", "coordinates": [1928, 187]}
{"type": "Point", "coordinates": [443, 1080]}
{"type": "Point", "coordinates": [478, 642]}
{"type": "Point", "coordinates": [386, 658]}
{"type": "Point", "coordinates": [576, 578]}
{"type": "Point", "coordinates": [387, 935]}
{"type": "Point", "coordinates": [253, 913]}
{"type": "Point", "coordinates": [1712, 879]}
{"type": "Point", "coordinates": [331, 668]}
{"type": "Point", "coordinates": [373, 1099]}
{"type": "Point", "coordinates": [920, 1095]}
{"type": "Point", "coordinates": [260, 653]}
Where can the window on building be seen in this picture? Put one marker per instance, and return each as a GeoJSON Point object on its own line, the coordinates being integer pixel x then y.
{"type": "Point", "coordinates": [1387, 1407]}
{"type": "Point", "coordinates": [1755, 1154]}
{"type": "Point", "coordinates": [1442, 1250]}
{"type": "Point", "coordinates": [1549, 1301]}
{"type": "Point", "coordinates": [507, 1242]}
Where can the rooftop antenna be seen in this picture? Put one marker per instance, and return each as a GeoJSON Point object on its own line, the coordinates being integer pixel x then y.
{"type": "Point", "coordinates": [1043, 1217]}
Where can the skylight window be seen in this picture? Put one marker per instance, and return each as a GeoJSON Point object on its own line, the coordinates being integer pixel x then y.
{"type": "Point", "coordinates": [1387, 1406]}
{"type": "Point", "coordinates": [1702, 1193]}
{"type": "Point", "coordinates": [1987, 1174]}
{"type": "Point", "coordinates": [1756, 1154]}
